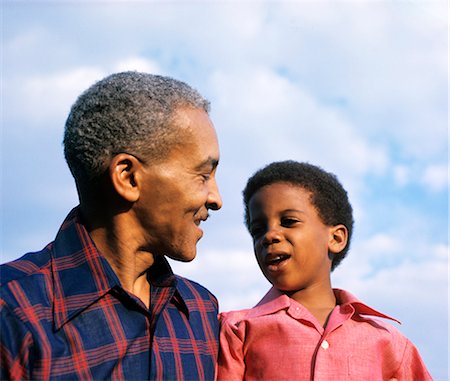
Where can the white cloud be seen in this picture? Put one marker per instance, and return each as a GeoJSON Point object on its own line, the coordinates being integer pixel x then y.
{"type": "Point", "coordinates": [380, 249]}
{"type": "Point", "coordinates": [25, 41]}
{"type": "Point", "coordinates": [43, 101]}
{"type": "Point", "coordinates": [387, 265]}
{"type": "Point", "coordinates": [138, 64]}
{"type": "Point", "coordinates": [260, 109]}
{"type": "Point", "coordinates": [401, 175]}
{"type": "Point", "coordinates": [387, 60]}
{"type": "Point", "coordinates": [432, 177]}
{"type": "Point", "coordinates": [435, 178]}
{"type": "Point", "coordinates": [40, 100]}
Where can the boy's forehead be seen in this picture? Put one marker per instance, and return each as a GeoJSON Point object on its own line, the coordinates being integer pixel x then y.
{"type": "Point", "coordinates": [276, 187]}
{"type": "Point", "coordinates": [280, 193]}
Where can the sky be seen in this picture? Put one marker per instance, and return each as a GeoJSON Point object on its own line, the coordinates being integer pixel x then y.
{"type": "Point", "coordinates": [356, 87]}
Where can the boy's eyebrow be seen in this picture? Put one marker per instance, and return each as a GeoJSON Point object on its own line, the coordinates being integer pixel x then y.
{"type": "Point", "coordinates": [288, 211]}
{"type": "Point", "coordinates": [259, 219]}
{"type": "Point", "coordinates": [293, 210]}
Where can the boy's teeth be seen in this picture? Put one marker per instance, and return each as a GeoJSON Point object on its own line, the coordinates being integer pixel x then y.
{"type": "Point", "coordinates": [277, 259]}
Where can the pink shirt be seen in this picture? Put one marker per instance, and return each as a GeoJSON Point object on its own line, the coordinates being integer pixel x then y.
{"type": "Point", "coordinates": [279, 339]}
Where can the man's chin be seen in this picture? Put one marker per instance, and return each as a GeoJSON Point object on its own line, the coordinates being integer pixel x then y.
{"type": "Point", "coordinates": [183, 257]}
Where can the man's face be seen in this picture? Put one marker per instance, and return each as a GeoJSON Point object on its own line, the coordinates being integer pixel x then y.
{"type": "Point", "coordinates": [178, 192]}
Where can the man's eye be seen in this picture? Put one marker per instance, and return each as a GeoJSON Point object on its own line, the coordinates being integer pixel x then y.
{"type": "Point", "coordinates": [206, 176]}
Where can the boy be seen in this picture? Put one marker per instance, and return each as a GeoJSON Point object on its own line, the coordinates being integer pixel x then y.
{"type": "Point", "coordinates": [301, 223]}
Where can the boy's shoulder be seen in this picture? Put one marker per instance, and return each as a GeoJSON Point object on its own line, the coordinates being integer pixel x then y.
{"type": "Point", "coordinates": [271, 303]}
{"type": "Point", "coordinates": [235, 316]}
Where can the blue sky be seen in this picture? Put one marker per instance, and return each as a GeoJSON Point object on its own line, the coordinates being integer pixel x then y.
{"type": "Point", "coordinates": [358, 87]}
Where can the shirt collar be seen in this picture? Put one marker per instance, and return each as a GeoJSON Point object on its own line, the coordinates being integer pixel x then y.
{"type": "Point", "coordinates": [81, 275]}
{"type": "Point", "coordinates": [275, 301]}
{"type": "Point", "coordinates": [345, 298]}
{"type": "Point", "coordinates": [271, 303]}
{"type": "Point", "coordinates": [164, 287]}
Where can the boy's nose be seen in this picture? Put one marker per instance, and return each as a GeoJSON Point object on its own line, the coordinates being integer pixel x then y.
{"type": "Point", "coordinates": [272, 235]}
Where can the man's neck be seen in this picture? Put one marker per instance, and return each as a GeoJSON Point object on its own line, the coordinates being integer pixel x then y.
{"type": "Point", "coordinates": [117, 242]}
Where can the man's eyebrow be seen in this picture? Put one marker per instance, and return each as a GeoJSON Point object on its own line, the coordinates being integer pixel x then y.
{"type": "Point", "coordinates": [210, 163]}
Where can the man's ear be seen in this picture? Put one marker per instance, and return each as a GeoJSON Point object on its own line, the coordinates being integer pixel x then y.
{"type": "Point", "coordinates": [122, 172]}
{"type": "Point", "coordinates": [338, 238]}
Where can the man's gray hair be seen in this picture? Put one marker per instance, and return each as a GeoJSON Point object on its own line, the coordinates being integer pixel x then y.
{"type": "Point", "coordinates": [125, 112]}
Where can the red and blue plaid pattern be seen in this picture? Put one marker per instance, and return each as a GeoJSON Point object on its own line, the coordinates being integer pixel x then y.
{"type": "Point", "coordinates": [64, 315]}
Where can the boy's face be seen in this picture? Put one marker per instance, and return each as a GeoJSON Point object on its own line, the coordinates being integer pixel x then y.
{"type": "Point", "coordinates": [290, 241]}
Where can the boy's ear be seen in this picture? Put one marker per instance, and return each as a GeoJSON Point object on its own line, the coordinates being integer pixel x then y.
{"type": "Point", "coordinates": [123, 174]}
{"type": "Point", "coordinates": [338, 238]}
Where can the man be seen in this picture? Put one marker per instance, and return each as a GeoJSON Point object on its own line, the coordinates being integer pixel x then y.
{"type": "Point", "coordinates": [101, 302]}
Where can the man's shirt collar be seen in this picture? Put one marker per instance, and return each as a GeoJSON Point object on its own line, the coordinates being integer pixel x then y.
{"type": "Point", "coordinates": [81, 275]}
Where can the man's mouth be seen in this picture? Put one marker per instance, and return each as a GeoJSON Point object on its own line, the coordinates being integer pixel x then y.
{"type": "Point", "coordinates": [199, 219]}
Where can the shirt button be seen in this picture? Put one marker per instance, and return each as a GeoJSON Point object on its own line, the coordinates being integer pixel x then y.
{"type": "Point", "coordinates": [325, 344]}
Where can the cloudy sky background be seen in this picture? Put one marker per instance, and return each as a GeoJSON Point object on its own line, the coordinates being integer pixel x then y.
{"type": "Point", "coordinates": [358, 87]}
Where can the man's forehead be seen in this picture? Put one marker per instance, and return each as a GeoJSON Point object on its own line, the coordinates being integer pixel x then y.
{"type": "Point", "coordinates": [185, 113]}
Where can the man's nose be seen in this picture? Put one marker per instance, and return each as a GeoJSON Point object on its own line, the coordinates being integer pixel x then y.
{"type": "Point", "coordinates": [214, 201]}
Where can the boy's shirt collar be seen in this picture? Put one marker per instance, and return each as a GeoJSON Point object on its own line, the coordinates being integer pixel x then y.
{"type": "Point", "coordinates": [275, 301]}
{"type": "Point", "coordinates": [345, 298]}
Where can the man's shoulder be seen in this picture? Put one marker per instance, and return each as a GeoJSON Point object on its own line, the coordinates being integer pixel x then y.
{"type": "Point", "coordinates": [192, 290]}
{"type": "Point", "coordinates": [29, 265]}
{"type": "Point", "coordinates": [26, 282]}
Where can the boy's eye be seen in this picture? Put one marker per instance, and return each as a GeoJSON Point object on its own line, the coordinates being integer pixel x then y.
{"type": "Point", "coordinates": [287, 222]}
{"type": "Point", "coordinates": [256, 231]}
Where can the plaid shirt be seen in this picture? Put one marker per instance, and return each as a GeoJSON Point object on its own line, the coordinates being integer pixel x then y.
{"type": "Point", "coordinates": [65, 316]}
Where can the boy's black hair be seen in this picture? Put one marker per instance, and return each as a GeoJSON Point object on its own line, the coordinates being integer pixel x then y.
{"type": "Point", "coordinates": [327, 194]}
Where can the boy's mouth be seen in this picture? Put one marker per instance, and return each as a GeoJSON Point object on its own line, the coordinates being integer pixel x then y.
{"type": "Point", "coordinates": [273, 260]}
